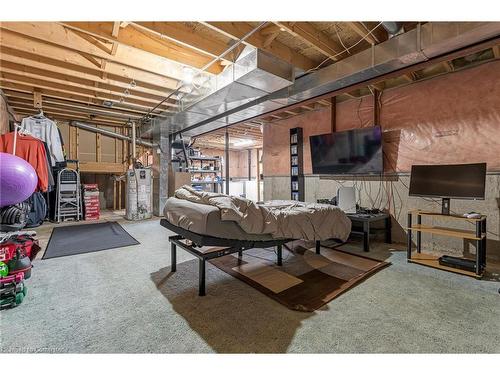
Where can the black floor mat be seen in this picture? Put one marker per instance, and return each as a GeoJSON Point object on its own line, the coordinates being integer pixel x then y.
{"type": "Point", "coordinates": [87, 238]}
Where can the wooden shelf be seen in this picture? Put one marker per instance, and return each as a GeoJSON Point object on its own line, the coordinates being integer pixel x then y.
{"type": "Point", "coordinates": [459, 233]}
{"type": "Point", "coordinates": [203, 158]}
{"type": "Point", "coordinates": [203, 171]}
{"type": "Point", "coordinates": [430, 260]}
{"type": "Point", "coordinates": [435, 214]}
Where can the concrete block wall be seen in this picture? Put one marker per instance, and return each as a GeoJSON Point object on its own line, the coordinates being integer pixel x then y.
{"type": "Point", "coordinates": [392, 196]}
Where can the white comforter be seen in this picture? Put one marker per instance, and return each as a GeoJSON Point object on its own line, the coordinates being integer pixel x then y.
{"type": "Point", "coordinates": [281, 219]}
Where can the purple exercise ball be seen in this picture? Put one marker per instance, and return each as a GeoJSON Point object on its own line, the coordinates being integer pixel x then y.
{"type": "Point", "coordinates": [18, 179]}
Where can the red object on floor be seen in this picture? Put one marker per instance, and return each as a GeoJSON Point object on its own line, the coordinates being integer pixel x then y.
{"type": "Point", "coordinates": [28, 245]}
{"type": "Point", "coordinates": [91, 205]}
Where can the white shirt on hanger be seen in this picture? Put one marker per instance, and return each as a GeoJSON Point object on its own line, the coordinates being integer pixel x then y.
{"type": "Point", "coordinates": [46, 130]}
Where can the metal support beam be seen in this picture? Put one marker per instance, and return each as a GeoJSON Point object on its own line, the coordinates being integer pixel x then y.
{"type": "Point", "coordinates": [134, 140]}
{"type": "Point", "coordinates": [161, 163]}
{"type": "Point", "coordinates": [109, 133]}
{"type": "Point", "coordinates": [376, 107]}
{"type": "Point", "coordinates": [249, 164]}
{"type": "Point", "coordinates": [333, 113]}
{"type": "Point", "coordinates": [227, 161]}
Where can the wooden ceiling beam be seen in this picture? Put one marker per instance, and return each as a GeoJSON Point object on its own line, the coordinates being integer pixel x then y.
{"type": "Point", "coordinates": [315, 38]}
{"type": "Point", "coordinates": [18, 62]}
{"type": "Point", "coordinates": [71, 89]}
{"type": "Point", "coordinates": [8, 85]}
{"type": "Point", "coordinates": [237, 30]}
{"type": "Point", "coordinates": [185, 35]}
{"type": "Point", "coordinates": [73, 115]}
{"type": "Point", "coordinates": [58, 115]}
{"type": "Point", "coordinates": [360, 29]}
{"type": "Point", "coordinates": [71, 103]}
{"type": "Point", "coordinates": [137, 38]}
{"type": "Point", "coordinates": [270, 33]}
{"type": "Point", "coordinates": [59, 35]}
{"type": "Point", "coordinates": [496, 51]}
{"type": "Point", "coordinates": [49, 104]}
{"type": "Point", "coordinates": [35, 73]}
{"type": "Point", "coordinates": [21, 46]}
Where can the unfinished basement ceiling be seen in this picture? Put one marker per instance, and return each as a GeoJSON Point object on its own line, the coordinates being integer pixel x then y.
{"type": "Point", "coordinates": [129, 67]}
{"type": "Point", "coordinates": [111, 72]}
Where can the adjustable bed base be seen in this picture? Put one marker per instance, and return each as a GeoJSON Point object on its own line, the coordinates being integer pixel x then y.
{"type": "Point", "coordinates": [193, 243]}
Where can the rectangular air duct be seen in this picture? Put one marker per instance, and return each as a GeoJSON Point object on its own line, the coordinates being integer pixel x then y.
{"type": "Point", "coordinates": [262, 87]}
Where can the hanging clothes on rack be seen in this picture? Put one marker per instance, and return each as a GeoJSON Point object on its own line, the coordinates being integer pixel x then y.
{"type": "Point", "coordinates": [30, 149]}
{"type": "Point", "coordinates": [46, 130]}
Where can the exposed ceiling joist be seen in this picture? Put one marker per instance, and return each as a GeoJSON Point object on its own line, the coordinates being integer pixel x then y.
{"type": "Point", "coordinates": [362, 31]}
{"type": "Point", "coordinates": [52, 104]}
{"type": "Point", "coordinates": [69, 102]}
{"type": "Point", "coordinates": [37, 54]}
{"type": "Point", "coordinates": [237, 30]}
{"type": "Point", "coordinates": [57, 34]}
{"type": "Point", "coordinates": [137, 38]}
{"type": "Point", "coordinates": [183, 34]}
{"type": "Point", "coordinates": [7, 85]}
{"type": "Point", "coordinates": [35, 73]}
{"type": "Point", "coordinates": [24, 79]}
{"type": "Point", "coordinates": [318, 40]}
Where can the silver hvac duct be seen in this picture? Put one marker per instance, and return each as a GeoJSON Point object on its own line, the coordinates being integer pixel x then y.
{"type": "Point", "coordinates": [415, 46]}
{"type": "Point", "coordinates": [254, 75]}
{"type": "Point", "coordinates": [392, 28]}
{"type": "Point", "coordinates": [108, 133]}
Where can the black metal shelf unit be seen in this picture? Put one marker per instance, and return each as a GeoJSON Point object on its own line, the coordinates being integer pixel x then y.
{"type": "Point", "coordinates": [296, 164]}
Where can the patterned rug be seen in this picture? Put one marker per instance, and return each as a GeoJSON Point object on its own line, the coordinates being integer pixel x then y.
{"type": "Point", "coordinates": [306, 281]}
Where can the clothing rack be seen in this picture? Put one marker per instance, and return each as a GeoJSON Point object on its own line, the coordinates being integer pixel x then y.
{"type": "Point", "coordinates": [18, 129]}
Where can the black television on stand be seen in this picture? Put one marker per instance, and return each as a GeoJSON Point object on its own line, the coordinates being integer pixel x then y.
{"type": "Point", "coordinates": [357, 151]}
{"type": "Point", "coordinates": [457, 181]}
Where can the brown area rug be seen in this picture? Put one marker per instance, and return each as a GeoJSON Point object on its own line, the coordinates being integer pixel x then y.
{"type": "Point", "coordinates": [306, 281]}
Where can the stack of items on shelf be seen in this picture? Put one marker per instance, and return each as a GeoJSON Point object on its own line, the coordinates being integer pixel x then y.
{"type": "Point", "coordinates": [17, 250]}
{"type": "Point", "coordinates": [91, 201]}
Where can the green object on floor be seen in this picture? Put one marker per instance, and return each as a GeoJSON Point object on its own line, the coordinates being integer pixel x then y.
{"type": "Point", "coordinates": [4, 269]}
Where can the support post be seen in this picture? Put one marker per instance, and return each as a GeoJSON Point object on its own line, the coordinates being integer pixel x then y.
{"type": "Point", "coordinates": [479, 247]}
{"type": "Point", "coordinates": [408, 243]}
{"type": "Point", "coordinates": [279, 250]}
{"type": "Point", "coordinates": [376, 107]}
{"type": "Point", "coordinates": [227, 160]}
{"type": "Point", "coordinates": [161, 162]}
{"type": "Point", "coordinates": [249, 164]}
{"type": "Point", "coordinates": [258, 174]}
{"type": "Point", "coordinates": [173, 257]}
{"type": "Point", "coordinates": [201, 275]}
{"type": "Point", "coordinates": [419, 235]}
{"type": "Point", "coordinates": [333, 113]}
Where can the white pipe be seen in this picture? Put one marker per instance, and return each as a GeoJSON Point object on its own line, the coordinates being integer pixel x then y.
{"type": "Point", "coordinates": [108, 133]}
{"type": "Point", "coordinates": [133, 141]}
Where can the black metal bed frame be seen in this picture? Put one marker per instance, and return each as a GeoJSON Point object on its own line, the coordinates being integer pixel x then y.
{"type": "Point", "coordinates": [229, 246]}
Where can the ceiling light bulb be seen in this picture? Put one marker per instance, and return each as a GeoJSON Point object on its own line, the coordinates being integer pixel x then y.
{"type": "Point", "coordinates": [243, 143]}
{"type": "Point", "coordinates": [188, 75]}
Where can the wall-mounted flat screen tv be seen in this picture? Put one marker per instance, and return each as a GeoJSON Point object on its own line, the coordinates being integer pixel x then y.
{"type": "Point", "coordinates": [357, 151]}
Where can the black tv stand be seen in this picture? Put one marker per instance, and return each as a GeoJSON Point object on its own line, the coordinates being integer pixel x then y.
{"type": "Point", "coordinates": [445, 206]}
